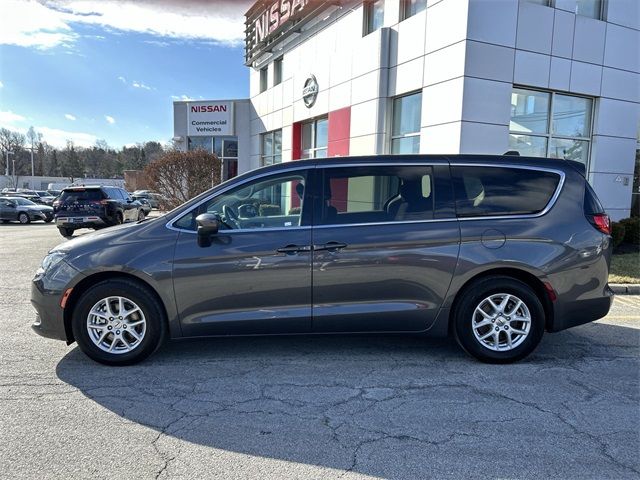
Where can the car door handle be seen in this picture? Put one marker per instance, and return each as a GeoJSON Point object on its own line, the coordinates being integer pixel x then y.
{"type": "Point", "coordinates": [330, 246]}
{"type": "Point", "coordinates": [291, 249]}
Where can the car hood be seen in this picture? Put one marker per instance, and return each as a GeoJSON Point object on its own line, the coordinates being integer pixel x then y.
{"type": "Point", "coordinates": [119, 234]}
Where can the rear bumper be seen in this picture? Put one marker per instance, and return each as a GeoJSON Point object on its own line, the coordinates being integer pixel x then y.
{"type": "Point", "coordinates": [89, 221]}
{"type": "Point", "coordinates": [579, 312]}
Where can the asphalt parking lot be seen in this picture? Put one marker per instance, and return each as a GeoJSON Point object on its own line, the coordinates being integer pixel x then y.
{"type": "Point", "coordinates": [302, 407]}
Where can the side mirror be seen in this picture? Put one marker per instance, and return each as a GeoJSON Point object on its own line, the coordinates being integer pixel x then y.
{"type": "Point", "coordinates": [207, 226]}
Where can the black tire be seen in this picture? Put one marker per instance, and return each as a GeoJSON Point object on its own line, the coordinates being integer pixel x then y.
{"type": "Point", "coordinates": [141, 215]}
{"type": "Point", "coordinates": [4, 221]}
{"type": "Point", "coordinates": [119, 219]}
{"type": "Point", "coordinates": [48, 220]}
{"type": "Point", "coordinates": [23, 218]}
{"type": "Point", "coordinates": [473, 296]}
{"type": "Point", "coordinates": [153, 312]}
{"type": "Point", "coordinates": [66, 232]}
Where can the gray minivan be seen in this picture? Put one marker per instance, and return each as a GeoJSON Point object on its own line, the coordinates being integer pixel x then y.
{"type": "Point", "coordinates": [493, 250]}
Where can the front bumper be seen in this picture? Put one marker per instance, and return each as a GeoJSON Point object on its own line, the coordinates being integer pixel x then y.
{"type": "Point", "coordinates": [49, 320]}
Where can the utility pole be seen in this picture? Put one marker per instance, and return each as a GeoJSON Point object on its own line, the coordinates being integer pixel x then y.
{"type": "Point", "coordinates": [33, 172]}
{"type": "Point", "coordinates": [7, 153]}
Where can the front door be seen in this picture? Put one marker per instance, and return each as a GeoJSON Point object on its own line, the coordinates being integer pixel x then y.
{"type": "Point", "coordinates": [385, 247]}
{"type": "Point", "coordinates": [256, 275]}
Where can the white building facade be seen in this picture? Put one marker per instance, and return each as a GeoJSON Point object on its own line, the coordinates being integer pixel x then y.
{"type": "Point", "coordinates": [557, 78]}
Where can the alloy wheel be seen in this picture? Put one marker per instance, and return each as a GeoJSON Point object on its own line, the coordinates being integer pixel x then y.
{"type": "Point", "coordinates": [116, 325]}
{"type": "Point", "coordinates": [501, 322]}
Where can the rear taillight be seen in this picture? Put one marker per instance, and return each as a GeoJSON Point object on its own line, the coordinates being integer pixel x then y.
{"type": "Point", "coordinates": [601, 222]}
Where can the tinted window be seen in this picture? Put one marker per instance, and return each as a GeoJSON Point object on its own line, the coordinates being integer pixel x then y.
{"type": "Point", "coordinates": [482, 191]}
{"type": "Point", "coordinates": [72, 196]}
{"type": "Point", "coordinates": [376, 194]}
{"type": "Point", "coordinates": [592, 205]}
{"type": "Point", "coordinates": [271, 202]}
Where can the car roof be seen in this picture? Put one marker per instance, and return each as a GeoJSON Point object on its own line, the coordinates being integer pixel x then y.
{"type": "Point", "coordinates": [498, 160]}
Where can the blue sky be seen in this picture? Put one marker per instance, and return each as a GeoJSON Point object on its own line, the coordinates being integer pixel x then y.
{"type": "Point", "coordinates": [110, 70]}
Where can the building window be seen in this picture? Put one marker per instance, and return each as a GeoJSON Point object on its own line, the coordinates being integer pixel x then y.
{"type": "Point", "coordinates": [589, 8]}
{"type": "Point", "coordinates": [315, 136]}
{"type": "Point", "coordinates": [408, 8]}
{"type": "Point", "coordinates": [546, 3]}
{"type": "Point", "coordinates": [548, 124]}
{"type": "Point", "coordinates": [277, 71]}
{"type": "Point", "coordinates": [225, 148]}
{"type": "Point", "coordinates": [271, 148]}
{"type": "Point", "coordinates": [373, 16]}
{"type": "Point", "coordinates": [405, 133]}
{"type": "Point", "coordinates": [263, 79]}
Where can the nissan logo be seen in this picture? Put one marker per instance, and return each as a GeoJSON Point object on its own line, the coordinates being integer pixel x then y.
{"type": "Point", "coordinates": [310, 91]}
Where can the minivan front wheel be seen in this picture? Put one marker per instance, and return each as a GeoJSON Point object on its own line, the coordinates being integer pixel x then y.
{"type": "Point", "coordinates": [499, 320]}
{"type": "Point", "coordinates": [118, 322]}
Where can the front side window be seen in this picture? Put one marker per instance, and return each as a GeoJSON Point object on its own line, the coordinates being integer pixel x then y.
{"type": "Point", "coordinates": [315, 138]}
{"type": "Point", "coordinates": [548, 124]}
{"type": "Point", "coordinates": [488, 191]}
{"type": "Point", "coordinates": [271, 148]}
{"type": "Point", "coordinates": [373, 16]}
{"type": "Point", "coordinates": [405, 134]}
{"type": "Point", "coordinates": [272, 202]}
{"type": "Point", "coordinates": [355, 195]}
{"type": "Point", "coordinates": [410, 7]}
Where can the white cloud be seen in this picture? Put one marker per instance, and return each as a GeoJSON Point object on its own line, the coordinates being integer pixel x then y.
{"type": "Point", "coordinates": [122, 79]}
{"type": "Point", "coordinates": [1, 85]}
{"type": "Point", "coordinates": [141, 85]}
{"type": "Point", "coordinates": [50, 24]}
{"type": "Point", "coordinates": [8, 118]}
{"type": "Point", "coordinates": [68, 116]}
{"type": "Point", "coordinates": [110, 120]}
{"type": "Point", "coordinates": [58, 138]}
{"type": "Point", "coordinates": [184, 98]}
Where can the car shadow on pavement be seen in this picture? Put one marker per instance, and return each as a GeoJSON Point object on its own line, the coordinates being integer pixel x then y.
{"type": "Point", "coordinates": [388, 406]}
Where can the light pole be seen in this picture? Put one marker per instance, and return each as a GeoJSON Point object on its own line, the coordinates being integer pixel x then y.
{"type": "Point", "coordinates": [7, 153]}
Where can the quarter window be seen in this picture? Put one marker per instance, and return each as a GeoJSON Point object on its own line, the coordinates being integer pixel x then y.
{"type": "Point", "coordinates": [405, 135]}
{"type": "Point", "coordinates": [373, 16]}
{"type": "Point", "coordinates": [488, 191]}
{"type": "Point", "coordinates": [550, 124]}
{"type": "Point", "coordinates": [272, 202]}
{"type": "Point", "coordinates": [377, 195]}
{"type": "Point", "coordinates": [271, 147]}
{"type": "Point", "coordinates": [315, 136]}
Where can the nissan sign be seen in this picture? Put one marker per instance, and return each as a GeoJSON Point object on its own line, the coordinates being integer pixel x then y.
{"type": "Point", "coordinates": [210, 118]}
{"type": "Point", "coordinates": [310, 91]}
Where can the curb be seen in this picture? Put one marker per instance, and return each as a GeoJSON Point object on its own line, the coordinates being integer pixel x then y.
{"type": "Point", "coordinates": [625, 288]}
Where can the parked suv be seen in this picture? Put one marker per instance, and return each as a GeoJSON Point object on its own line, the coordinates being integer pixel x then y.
{"type": "Point", "coordinates": [94, 207]}
{"type": "Point", "coordinates": [493, 251]}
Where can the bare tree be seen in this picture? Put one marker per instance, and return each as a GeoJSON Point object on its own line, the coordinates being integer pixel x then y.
{"type": "Point", "coordinates": [180, 176]}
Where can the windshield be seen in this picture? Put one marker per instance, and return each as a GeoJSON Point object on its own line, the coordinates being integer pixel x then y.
{"type": "Point", "coordinates": [42, 193]}
{"type": "Point", "coordinates": [23, 201]}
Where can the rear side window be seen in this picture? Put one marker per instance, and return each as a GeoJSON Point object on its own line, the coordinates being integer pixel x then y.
{"type": "Point", "coordinates": [377, 194]}
{"type": "Point", "coordinates": [73, 196]}
{"type": "Point", "coordinates": [592, 205]}
{"type": "Point", "coordinates": [487, 191]}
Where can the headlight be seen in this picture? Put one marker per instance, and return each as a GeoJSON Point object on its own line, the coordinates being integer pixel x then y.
{"type": "Point", "coordinates": [51, 260]}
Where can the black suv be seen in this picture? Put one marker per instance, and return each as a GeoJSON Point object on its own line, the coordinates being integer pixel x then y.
{"type": "Point", "coordinates": [94, 207]}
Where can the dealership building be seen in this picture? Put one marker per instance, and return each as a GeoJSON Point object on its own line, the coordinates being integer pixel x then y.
{"type": "Point", "coordinates": [554, 78]}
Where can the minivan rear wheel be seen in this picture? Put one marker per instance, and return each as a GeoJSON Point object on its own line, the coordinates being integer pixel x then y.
{"type": "Point", "coordinates": [118, 322]}
{"type": "Point", "coordinates": [499, 320]}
